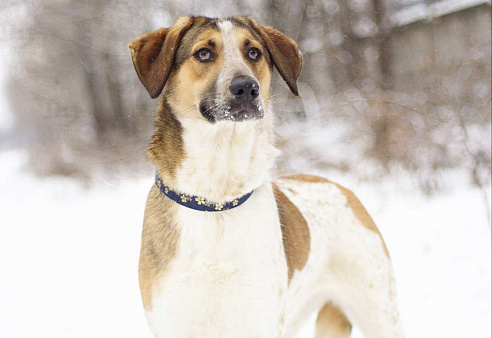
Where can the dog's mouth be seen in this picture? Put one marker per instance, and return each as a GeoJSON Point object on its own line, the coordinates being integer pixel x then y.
{"type": "Point", "coordinates": [231, 111]}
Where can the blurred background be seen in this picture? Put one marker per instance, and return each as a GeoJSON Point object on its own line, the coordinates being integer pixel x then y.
{"type": "Point", "coordinates": [395, 103]}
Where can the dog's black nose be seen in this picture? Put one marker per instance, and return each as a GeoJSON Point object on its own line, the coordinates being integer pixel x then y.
{"type": "Point", "coordinates": [244, 88]}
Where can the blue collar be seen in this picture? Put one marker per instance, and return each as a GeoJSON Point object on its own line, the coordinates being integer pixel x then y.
{"type": "Point", "coordinates": [199, 203]}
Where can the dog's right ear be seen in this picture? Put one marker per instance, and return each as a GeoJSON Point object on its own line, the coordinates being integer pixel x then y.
{"type": "Point", "coordinates": [153, 54]}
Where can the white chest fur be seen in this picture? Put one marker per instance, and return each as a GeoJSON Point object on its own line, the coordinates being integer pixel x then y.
{"type": "Point", "coordinates": [225, 160]}
{"type": "Point", "coordinates": [229, 276]}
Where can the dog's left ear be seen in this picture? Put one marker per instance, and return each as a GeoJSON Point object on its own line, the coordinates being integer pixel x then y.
{"type": "Point", "coordinates": [153, 54]}
{"type": "Point", "coordinates": [285, 54]}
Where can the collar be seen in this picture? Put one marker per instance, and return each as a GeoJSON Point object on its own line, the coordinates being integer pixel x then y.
{"type": "Point", "coordinates": [199, 203]}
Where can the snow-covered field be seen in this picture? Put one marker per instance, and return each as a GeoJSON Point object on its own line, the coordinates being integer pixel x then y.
{"type": "Point", "coordinates": [68, 256]}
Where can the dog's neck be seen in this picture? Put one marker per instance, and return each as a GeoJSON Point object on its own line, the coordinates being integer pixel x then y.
{"type": "Point", "coordinates": [220, 161]}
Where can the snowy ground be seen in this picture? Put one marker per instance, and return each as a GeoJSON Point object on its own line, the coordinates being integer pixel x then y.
{"type": "Point", "coordinates": [68, 257]}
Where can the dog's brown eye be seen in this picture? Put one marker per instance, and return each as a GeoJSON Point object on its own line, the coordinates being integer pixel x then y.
{"type": "Point", "coordinates": [204, 55]}
{"type": "Point", "coordinates": [254, 54]}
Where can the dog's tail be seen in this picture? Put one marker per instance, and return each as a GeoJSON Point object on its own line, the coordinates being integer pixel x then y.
{"type": "Point", "coordinates": [332, 323]}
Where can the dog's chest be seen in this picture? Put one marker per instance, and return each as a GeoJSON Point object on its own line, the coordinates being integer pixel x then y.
{"type": "Point", "coordinates": [229, 276]}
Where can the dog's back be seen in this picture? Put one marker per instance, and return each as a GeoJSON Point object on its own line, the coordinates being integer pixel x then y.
{"type": "Point", "coordinates": [348, 267]}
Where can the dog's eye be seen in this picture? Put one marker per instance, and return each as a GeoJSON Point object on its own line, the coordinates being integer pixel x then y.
{"type": "Point", "coordinates": [204, 55]}
{"type": "Point", "coordinates": [254, 54]}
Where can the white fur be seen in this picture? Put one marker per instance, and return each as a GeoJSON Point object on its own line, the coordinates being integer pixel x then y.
{"type": "Point", "coordinates": [234, 64]}
{"type": "Point", "coordinates": [225, 160]}
{"type": "Point", "coordinates": [229, 276]}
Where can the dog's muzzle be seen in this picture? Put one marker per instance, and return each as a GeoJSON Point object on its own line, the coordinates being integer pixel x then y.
{"type": "Point", "coordinates": [243, 104]}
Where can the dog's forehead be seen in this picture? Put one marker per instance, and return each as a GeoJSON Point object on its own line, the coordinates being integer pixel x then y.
{"type": "Point", "coordinates": [203, 27]}
{"type": "Point", "coordinates": [234, 32]}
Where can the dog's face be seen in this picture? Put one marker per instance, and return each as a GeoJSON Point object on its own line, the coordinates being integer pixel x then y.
{"type": "Point", "coordinates": [224, 73]}
{"type": "Point", "coordinates": [216, 69]}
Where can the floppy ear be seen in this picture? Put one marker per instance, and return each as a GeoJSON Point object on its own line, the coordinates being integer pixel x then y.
{"type": "Point", "coordinates": [285, 54]}
{"type": "Point", "coordinates": [153, 54]}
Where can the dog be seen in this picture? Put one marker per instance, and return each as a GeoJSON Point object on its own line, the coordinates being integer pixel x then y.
{"type": "Point", "coordinates": [225, 251]}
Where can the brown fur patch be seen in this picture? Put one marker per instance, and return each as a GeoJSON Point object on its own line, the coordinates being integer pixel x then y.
{"type": "Point", "coordinates": [352, 202]}
{"type": "Point", "coordinates": [159, 242]}
{"type": "Point", "coordinates": [166, 150]}
{"type": "Point", "coordinates": [153, 54]}
{"type": "Point", "coordinates": [332, 322]}
{"type": "Point", "coordinates": [295, 233]}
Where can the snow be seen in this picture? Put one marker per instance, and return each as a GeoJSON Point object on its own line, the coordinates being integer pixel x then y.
{"type": "Point", "coordinates": [69, 255]}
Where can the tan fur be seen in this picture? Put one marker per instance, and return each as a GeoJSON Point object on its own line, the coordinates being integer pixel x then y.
{"type": "Point", "coordinates": [166, 150]}
{"type": "Point", "coordinates": [332, 323]}
{"type": "Point", "coordinates": [159, 242]}
{"type": "Point", "coordinates": [295, 233]}
{"type": "Point", "coordinates": [352, 202]}
{"type": "Point", "coordinates": [188, 86]}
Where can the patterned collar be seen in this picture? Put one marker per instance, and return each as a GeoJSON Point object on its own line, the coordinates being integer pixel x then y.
{"type": "Point", "coordinates": [199, 203]}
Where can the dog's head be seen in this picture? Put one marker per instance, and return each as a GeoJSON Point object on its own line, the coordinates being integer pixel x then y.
{"type": "Point", "coordinates": [217, 69]}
